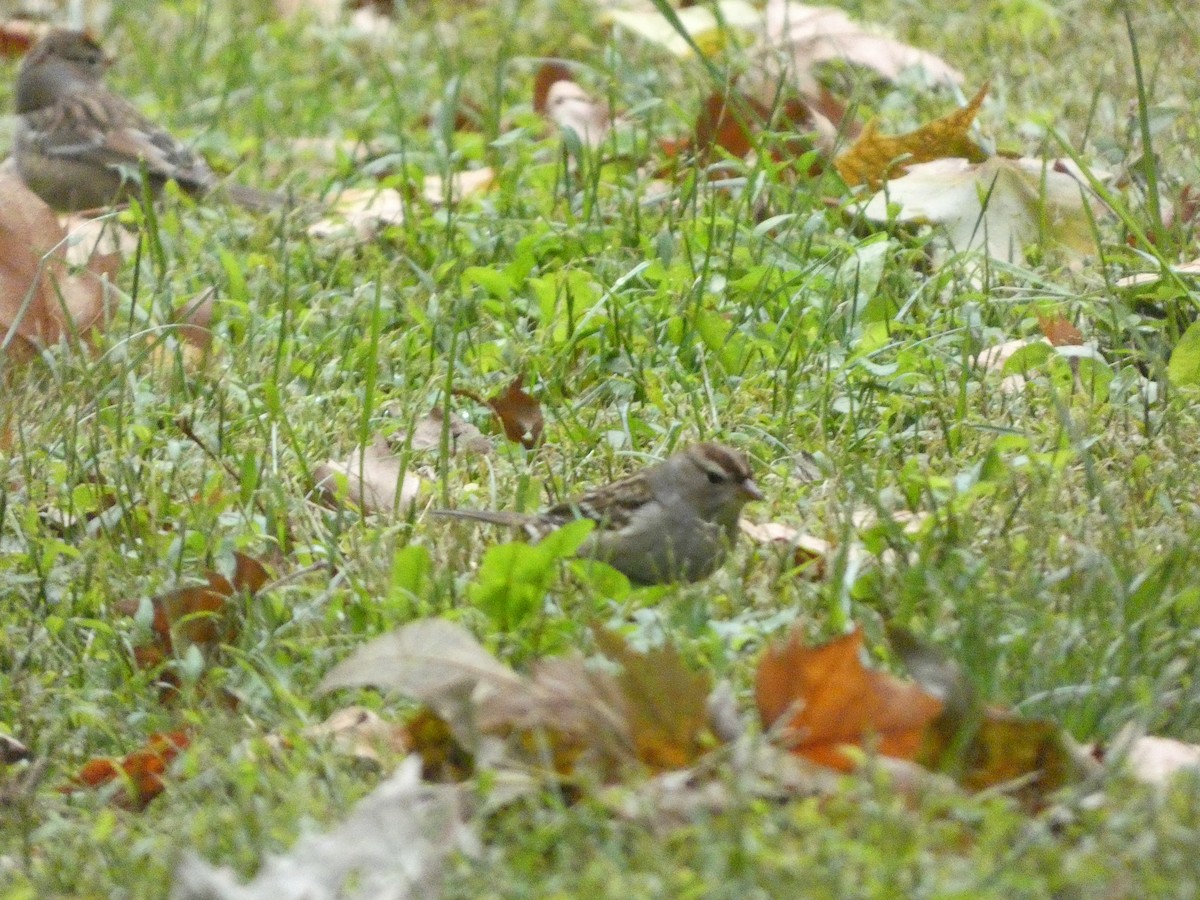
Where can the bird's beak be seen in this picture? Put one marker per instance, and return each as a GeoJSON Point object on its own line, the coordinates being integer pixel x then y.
{"type": "Point", "coordinates": [751, 491]}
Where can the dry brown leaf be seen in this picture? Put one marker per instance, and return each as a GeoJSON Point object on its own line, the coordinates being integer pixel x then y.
{"type": "Point", "coordinates": [372, 479]}
{"type": "Point", "coordinates": [823, 699]}
{"type": "Point", "coordinates": [666, 703]}
{"type": "Point", "coordinates": [519, 413]}
{"type": "Point", "coordinates": [811, 35]}
{"type": "Point", "coordinates": [40, 301]}
{"type": "Point", "coordinates": [875, 157]}
{"type": "Point", "coordinates": [566, 715]}
{"type": "Point", "coordinates": [731, 121]}
{"type": "Point", "coordinates": [196, 615]}
{"type": "Point", "coordinates": [1059, 331]}
{"type": "Point", "coordinates": [141, 772]}
{"type": "Point", "coordinates": [19, 35]}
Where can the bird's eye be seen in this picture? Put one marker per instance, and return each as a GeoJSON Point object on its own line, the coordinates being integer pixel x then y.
{"type": "Point", "coordinates": [715, 477]}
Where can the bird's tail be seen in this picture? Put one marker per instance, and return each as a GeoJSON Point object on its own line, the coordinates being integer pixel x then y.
{"type": "Point", "coordinates": [249, 198]}
{"type": "Point", "coordinates": [493, 517]}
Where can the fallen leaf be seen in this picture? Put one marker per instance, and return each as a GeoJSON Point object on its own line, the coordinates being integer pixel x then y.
{"type": "Point", "coordinates": [196, 615]}
{"type": "Point", "coordinates": [519, 414]}
{"type": "Point", "coordinates": [732, 120]}
{"type": "Point", "coordinates": [566, 716]}
{"type": "Point", "coordinates": [994, 358]}
{"type": "Point", "coordinates": [557, 97]}
{"type": "Point", "coordinates": [40, 301]}
{"type": "Point", "coordinates": [708, 26]}
{"type": "Point", "coordinates": [998, 207]}
{"type": "Point", "coordinates": [461, 185]}
{"type": "Point", "coordinates": [1187, 268]}
{"type": "Point", "coordinates": [875, 157]}
{"type": "Point", "coordinates": [808, 552]}
{"type": "Point", "coordinates": [360, 213]}
{"type": "Point", "coordinates": [357, 731]}
{"type": "Point", "coordinates": [373, 479]}
{"type": "Point", "coordinates": [983, 747]}
{"type": "Point", "coordinates": [18, 35]}
{"type": "Point", "coordinates": [1153, 760]}
{"type": "Point", "coordinates": [435, 662]}
{"type": "Point", "coordinates": [193, 320]}
{"type": "Point", "coordinates": [141, 771]}
{"type": "Point", "coordinates": [1059, 331]}
{"type": "Point", "coordinates": [666, 704]}
{"type": "Point", "coordinates": [811, 35]}
{"type": "Point", "coordinates": [90, 236]}
{"type": "Point", "coordinates": [822, 699]}
{"type": "Point", "coordinates": [427, 435]}
{"type": "Point", "coordinates": [393, 844]}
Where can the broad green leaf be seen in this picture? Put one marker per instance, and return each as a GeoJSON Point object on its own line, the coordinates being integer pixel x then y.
{"type": "Point", "coordinates": [1184, 366]}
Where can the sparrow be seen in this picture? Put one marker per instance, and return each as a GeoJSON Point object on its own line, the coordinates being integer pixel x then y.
{"type": "Point", "coordinates": [78, 145]}
{"type": "Point", "coordinates": [674, 521]}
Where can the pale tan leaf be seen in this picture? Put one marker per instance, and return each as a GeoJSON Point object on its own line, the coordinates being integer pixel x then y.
{"type": "Point", "coordinates": [998, 207]}
{"type": "Point", "coordinates": [1153, 760]}
{"type": "Point", "coordinates": [359, 732]}
{"type": "Point", "coordinates": [393, 844]}
{"type": "Point", "coordinates": [427, 435]}
{"type": "Point", "coordinates": [324, 12]}
{"type": "Point", "coordinates": [462, 185]}
{"type": "Point", "coordinates": [570, 106]}
{"type": "Point", "coordinates": [372, 478]}
{"type": "Point", "coordinates": [433, 661]}
{"type": "Point", "coordinates": [89, 236]}
{"type": "Point", "coordinates": [707, 25]}
{"type": "Point", "coordinates": [812, 35]}
{"type": "Point", "coordinates": [1187, 268]}
{"type": "Point", "coordinates": [360, 213]}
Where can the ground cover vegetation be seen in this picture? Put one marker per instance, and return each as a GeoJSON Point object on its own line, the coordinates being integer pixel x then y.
{"type": "Point", "coordinates": [530, 247]}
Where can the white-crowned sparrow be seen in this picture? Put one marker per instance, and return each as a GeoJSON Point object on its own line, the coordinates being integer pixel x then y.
{"type": "Point", "coordinates": [674, 521]}
{"type": "Point", "coordinates": [80, 146]}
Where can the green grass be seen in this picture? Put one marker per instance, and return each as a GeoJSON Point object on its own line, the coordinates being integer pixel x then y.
{"type": "Point", "coordinates": [1056, 563]}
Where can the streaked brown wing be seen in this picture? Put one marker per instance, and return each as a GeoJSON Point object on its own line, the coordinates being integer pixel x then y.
{"type": "Point", "coordinates": [609, 506]}
{"type": "Point", "coordinates": [104, 130]}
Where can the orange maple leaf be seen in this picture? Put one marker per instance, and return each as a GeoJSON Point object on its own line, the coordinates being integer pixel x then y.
{"type": "Point", "coordinates": [832, 700]}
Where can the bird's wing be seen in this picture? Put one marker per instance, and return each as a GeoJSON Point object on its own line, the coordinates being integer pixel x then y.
{"type": "Point", "coordinates": [103, 129]}
{"type": "Point", "coordinates": [611, 506]}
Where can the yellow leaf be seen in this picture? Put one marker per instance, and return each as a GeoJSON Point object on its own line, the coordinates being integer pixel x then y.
{"type": "Point", "coordinates": [874, 157]}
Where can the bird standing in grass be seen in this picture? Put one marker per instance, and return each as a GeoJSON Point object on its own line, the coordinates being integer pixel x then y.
{"type": "Point", "coordinates": [674, 521]}
{"type": "Point", "coordinates": [80, 146]}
